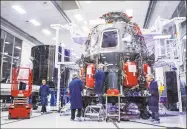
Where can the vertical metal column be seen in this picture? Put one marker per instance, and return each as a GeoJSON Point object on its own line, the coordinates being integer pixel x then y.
{"type": "Point", "coordinates": [57, 28]}
{"type": "Point", "coordinates": [179, 52]}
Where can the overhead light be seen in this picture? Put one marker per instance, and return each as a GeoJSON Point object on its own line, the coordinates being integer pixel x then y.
{"type": "Point", "coordinates": [47, 32]}
{"type": "Point", "coordinates": [85, 23]}
{"type": "Point", "coordinates": [19, 9]}
{"type": "Point", "coordinates": [5, 53]}
{"type": "Point", "coordinates": [72, 49]}
{"type": "Point", "coordinates": [85, 28]}
{"type": "Point", "coordinates": [129, 12]}
{"type": "Point", "coordinates": [95, 22]}
{"type": "Point", "coordinates": [34, 22]}
{"type": "Point", "coordinates": [162, 37]}
{"type": "Point", "coordinates": [53, 38]}
{"type": "Point", "coordinates": [184, 37]}
{"type": "Point", "coordinates": [4, 57]}
{"type": "Point", "coordinates": [17, 57]}
{"type": "Point", "coordinates": [7, 43]}
{"type": "Point", "coordinates": [184, 50]}
{"type": "Point", "coordinates": [5, 61]}
{"type": "Point", "coordinates": [77, 57]}
{"type": "Point", "coordinates": [78, 17]}
{"type": "Point", "coordinates": [18, 47]}
{"type": "Point", "coordinates": [87, 1]}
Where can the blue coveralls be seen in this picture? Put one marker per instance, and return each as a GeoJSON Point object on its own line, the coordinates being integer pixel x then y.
{"type": "Point", "coordinates": [75, 88]}
{"type": "Point", "coordinates": [44, 92]}
{"type": "Point", "coordinates": [154, 100]}
{"type": "Point", "coordinates": [99, 80]}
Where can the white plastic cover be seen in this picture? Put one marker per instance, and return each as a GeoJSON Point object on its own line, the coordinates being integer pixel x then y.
{"type": "Point", "coordinates": [148, 70]}
{"type": "Point", "coordinates": [89, 70]}
{"type": "Point", "coordinates": [132, 68]}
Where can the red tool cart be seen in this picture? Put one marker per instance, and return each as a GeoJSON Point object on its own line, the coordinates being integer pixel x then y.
{"type": "Point", "coordinates": [20, 108]}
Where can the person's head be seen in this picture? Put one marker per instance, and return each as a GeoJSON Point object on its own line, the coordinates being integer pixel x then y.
{"type": "Point", "coordinates": [75, 76]}
{"type": "Point", "coordinates": [100, 66]}
{"type": "Point", "coordinates": [149, 77]}
{"type": "Point", "coordinates": [43, 81]}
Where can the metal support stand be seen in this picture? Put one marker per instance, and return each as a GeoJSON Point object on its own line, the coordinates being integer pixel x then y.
{"type": "Point", "coordinates": [107, 116]}
{"type": "Point", "coordinates": [94, 111]}
{"type": "Point", "coordinates": [57, 28]}
{"type": "Point", "coordinates": [178, 64]}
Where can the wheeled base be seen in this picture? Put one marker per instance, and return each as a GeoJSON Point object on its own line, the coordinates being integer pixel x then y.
{"type": "Point", "coordinates": [23, 111]}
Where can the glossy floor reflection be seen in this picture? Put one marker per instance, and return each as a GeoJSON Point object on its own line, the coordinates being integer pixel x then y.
{"type": "Point", "coordinates": [54, 120]}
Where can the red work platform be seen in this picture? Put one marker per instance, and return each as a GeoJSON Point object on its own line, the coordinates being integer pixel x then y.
{"type": "Point", "coordinates": [20, 108]}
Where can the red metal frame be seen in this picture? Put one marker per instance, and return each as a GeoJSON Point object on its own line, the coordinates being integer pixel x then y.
{"type": "Point", "coordinates": [20, 108]}
{"type": "Point", "coordinates": [14, 89]}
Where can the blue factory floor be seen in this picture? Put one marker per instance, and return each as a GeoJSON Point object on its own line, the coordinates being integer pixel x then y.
{"type": "Point", "coordinates": [54, 120]}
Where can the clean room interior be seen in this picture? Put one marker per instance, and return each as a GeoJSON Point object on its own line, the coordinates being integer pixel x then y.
{"type": "Point", "coordinates": [128, 57]}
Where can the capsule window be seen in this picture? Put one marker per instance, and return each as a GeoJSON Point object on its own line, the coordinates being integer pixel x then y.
{"type": "Point", "coordinates": [110, 39]}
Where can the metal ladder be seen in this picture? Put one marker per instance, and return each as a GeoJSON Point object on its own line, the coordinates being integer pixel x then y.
{"type": "Point", "coordinates": [94, 111]}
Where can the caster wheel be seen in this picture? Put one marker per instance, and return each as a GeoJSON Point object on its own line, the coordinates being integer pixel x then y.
{"type": "Point", "coordinates": [118, 121]}
{"type": "Point", "coordinates": [9, 116]}
{"type": "Point", "coordinates": [29, 116]}
{"type": "Point", "coordinates": [107, 119]}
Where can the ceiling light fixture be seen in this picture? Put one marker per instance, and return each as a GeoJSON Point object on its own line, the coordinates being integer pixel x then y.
{"type": "Point", "coordinates": [19, 9]}
{"type": "Point", "coordinates": [34, 22]}
{"type": "Point", "coordinates": [47, 32]}
{"type": "Point", "coordinates": [78, 17]}
{"type": "Point", "coordinates": [162, 37]}
{"type": "Point", "coordinates": [7, 43]}
{"type": "Point", "coordinates": [18, 47]}
{"type": "Point", "coordinates": [129, 12]}
{"type": "Point", "coordinates": [95, 22]}
{"type": "Point", "coordinates": [5, 53]}
{"type": "Point", "coordinates": [184, 37]}
{"type": "Point", "coordinates": [85, 23]}
{"type": "Point", "coordinates": [53, 38]}
{"type": "Point", "coordinates": [87, 1]}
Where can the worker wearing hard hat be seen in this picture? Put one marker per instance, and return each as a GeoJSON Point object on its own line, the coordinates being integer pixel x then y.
{"type": "Point", "coordinates": [154, 98]}
{"type": "Point", "coordinates": [75, 90]}
{"type": "Point", "coordinates": [24, 73]}
{"type": "Point", "coordinates": [99, 80]}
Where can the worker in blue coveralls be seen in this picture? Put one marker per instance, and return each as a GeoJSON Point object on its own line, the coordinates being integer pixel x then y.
{"type": "Point", "coordinates": [153, 99]}
{"type": "Point", "coordinates": [75, 89]}
{"type": "Point", "coordinates": [43, 93]}
{"type": "Point", "coordinates": [99, 80]}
